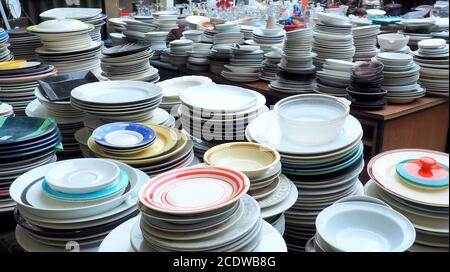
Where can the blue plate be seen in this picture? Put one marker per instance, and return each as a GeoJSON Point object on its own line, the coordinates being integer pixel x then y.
{"type": "Point", "coordinates": [100, 134]}
{"type": "Point", "coordinates": [122, 183]}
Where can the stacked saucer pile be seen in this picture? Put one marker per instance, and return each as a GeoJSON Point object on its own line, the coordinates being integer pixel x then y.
{"type": "Point", "coordinates": [296, 69]}
{"type": "Point", "coordinates": [5, 53]}
{"type": "Point", "coordinates": [193, 35]}
{"type": "Point", "coordinates": [167, 22]}
{"type": "Point", "coordinates": [361, 224]}
{"type": "Point", "coordinates": [157, 40]}
{"type": "Point", "coordinates": [228, 34]}
{"type": "Point", "coordinates": [218, 218]}
{"type": "Point", "coordinates": [129, 62]}
{"type": "Point", "coordinates": [365, 38]}
{"type": "Point", "coordinates": [247, 30]}
{"type": "Point", "coordinates": [335, 77]}
{"type": "Point", "coordinates": [136, 30]}
{"type": "Point", "coordinates": [394, 42]}
{"type": "Point", "coordinates": [323, 158]}
{"type": "Point", "coordinates": [414, 182]}
{"type": "Point", "coordinates": [400, 77]}
{"type": "Point", "coordinates": [114, 101]}
{"type": "Point", "coordinates": [172, 89]}
{"type": "Point", "coordinates": [67, 45]}
{"type": "Point", "coordinates": [275, 193]}
{"type": "Point", "coordinates": [219, 57]}
{"type": "Point", "coordinates": [198, 57]}
{"type": "Point", "coordinates": [219, 113]}
{"type": "Point", "coordinates": [208, 35]}
{"type": "Point", "coordinates": [91, 16]}
{"type": "Point", "coordinates": [23, 44]}
{"type": "Point", "coordinates": [432, 57]}
{"type": "Point", "coordinates": [268, 37]}
{"type": "Point", "coordinates": [133, 144]}
{"type": "Point", "coordinates": [25, 143]}
{"type": "Point", "coordinates": [245, 64]}
{"type": "Point", "coordinates": [333, 39]}
{"type": "Point", "coordinates": [365, 90]}
{"type": "Point", "coordinates": [179, 51]}
{"type": "Point", "coordinates": [270, 64]}
{"type": "Point", "coordinates": [18, 81]}
{"type": "Point", "coordinates": [417, 30]}
{"type": "Point", "coordinates": [74, 203]}
{"type": "Point", "coordinates": [6, 110]}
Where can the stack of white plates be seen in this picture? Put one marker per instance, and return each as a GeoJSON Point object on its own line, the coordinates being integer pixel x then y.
{"type": "Point", "coordinates": [333, 39]}
{"type": "Point", "coordinates": [6, 110]}
{"type": "Point", "coordinates": [5, 53]}
{"type": "Point", "coordinates": [136, 30]}
{"type": "Point", "coordinates": [172, 89]}
{"type": "Point", "coordinates": [27, 143]}
{"type": "Point", "coordinates": [335, 77]}
{"type": "Point", "coordinates": [23, 43]}
{"type": "Point", "coordinates": [219, 113]}
{"type": "Point", "coordinates": [157, 39]}
{"type": "Point", "coordinates": [67, 45]}
{"type": "Point", "coordinates": [400, 77]}
{"type": "Point", "coordinates": [425, 207]}
{"type": "Point", "coordinates": [418, 30]}
{"type": "Point", "coordinates": [117, 38]}
{"type": "Point", "coordinates": [198, 57]}
{"type": "Point", "coordinates": [268, 37]}
{"type": "Point", "coordinates": [129, 62]}
{"type": "Point", "coordinates": [323, 172]}
{"type": "Point", "coordinates": [208, 35]}
{"type": "Point", "coordinates": [193, 35]}
{"type": "Point", "coordinates": [219, 57]}
{"type": "Point", "coordinates": [365, 38]}
{"type": "Point", "coordinates": [53, 214]}
{"type": "Point", "coordinates": [247, 30]}
{"type": "Point", "coordinates": [361, 224]}
{"type": "Point", "coordinates": [245, 64]}
{"type": "Point", "coordinates": [167, 22]}
{"type": "Point", "coordinates": [118, 24]}
{"type": "Point", "coordinates": [432, 57]}
{"type": "Point", "coordinates": [17, 84]}
{"type": "Point", "coordinates": [297, 71]}
{"type": "Point", "coordinates": [92, 16]}
{"type": "Point", "coordinates": [179, 51]}
{"type": "Point", "coordinates": [229, 34]}
{"type": "Point", "coordinates": [270, 68]}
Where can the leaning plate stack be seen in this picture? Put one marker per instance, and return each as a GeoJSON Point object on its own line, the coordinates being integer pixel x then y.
{"type": "Point", "coordinates": [74, 203]}
{"type": "Point", "coordinates": [172, 88]}
{"type": "Point", "coordinates": [228, 34]}
{"type": "Point", "coordinates": [92, 16]}
{"type": "Point", "coordinates": [23, 43]}
{"type": "Point", "coordinates": [268, 37]}
{"type": "Point", "coordinates": [167, 22]}
{"type": "Point", "coordinates": [400, 77]}
{"type": "Point", "coordinates": [18, 82]}
{"type": "Point", "coordinates": [67, 45]}
{"type": "Point", "coordinates": [335, 77]}
{"type": "Point", "coordinates": [219, 57]}
{"type": "Point", "coordinates": [432, 57]}
{"type": "Point", "coordinates": [179, 51]}
{"type": "Point", "coordinates": [275, 193]}
{"type": "Point", "coordinates": [128, 62]}
{"type": "Point", "coordinates": [245, 64]}
{"type": "Point", "coordinates": [136, 30]}
{"type": "Point", "coordinates": [198, 57]}
{"type": "Point", "coordinates": [5, 53]}
{"type": "Point", "coordinates": [323, 158]}
{"type": "Point", "coordinates": [6, 110]}
{"type": "Point", "coordinates": [365, 38]}
{"type": "Point", "coordinates": [414, 182]}
{"type": "Point", "coordinates": [219, 113]}
{"type": "Point", "coordinates": [418, 30]}
{"type": "Point", "coordinates": [296, 69]}
{"type": "Point", "coordinates": [25, 143]}
{"type": "Point", "coordinates": [333, 39]}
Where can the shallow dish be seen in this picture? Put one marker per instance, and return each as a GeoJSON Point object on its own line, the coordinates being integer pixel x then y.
{"type": "Point", "coordinates": [124, 135]}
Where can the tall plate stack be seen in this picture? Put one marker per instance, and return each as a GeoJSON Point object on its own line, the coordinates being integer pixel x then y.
{"type": "Point", "coordinates": [23, 43]}
{"type": "Point", "coordinates": [365, 38]}
{"type": "Point", "coordinates": [5, 54]}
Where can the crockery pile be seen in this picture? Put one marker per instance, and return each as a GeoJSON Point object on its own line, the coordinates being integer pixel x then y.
{"type": "Point", "coordinates": [365, 91]}
{"type": "Point", "coordinates": [218, 114]}
{"type": "Point", "coordinates": [228, 34]}
{"type": "Point", "coordinates": [179, 51]}
{"type": "Point", "coordinates": [67, 45]}
{"type": "Point", "coordinates": [400, 77]}
{"type": "Point", "coordinates": [198, 57]}
{"type": "Point", "coordinates": [417, 30]}
{"type": "Point", "coordinates": [365, 38]}
{"type": "Point", "coordinates": [193, 35]}
{"type": "Point", "coordinates": [18, 82]}
{"type": "Point", "coordinates": [274, 193]}
{"type": "Point", "coordinates": [23, 43]}
{"type": "Point", "coordinates": [268, 36]}
{"type": "Point", "coordinates": [25, 143]}
{"type": "Point", "coordinates": [296, 70]}
{"type": "Point", "coordinates": [361, 224]}
{"type": "Point", "coordinates": [394, 42]}
{"type": "Point", "coordinates": [6, 110]}
{"type": "Point", "coordinates": [414, 182]}
{"type": "Point", "coordinates": [135, 31]}
{"type": "Point", "coordinates": [432, 57]}
{"type": "Point", "coordinates": [219, 57]}
{"type": "Point", "coordinates": [167, 22]}
{"type": "Point", "coordinates": [270, 66]}
{"type": "Point", "coordinates": [128, 62]}
{"type": "Point", "coordinates": [321, 152]}
{"type": "Point", "coordinates": [75, 201]}
{"type": "Point", "coordinates": [157, 40]}
{"type": "Point", "coordinates": [335, 77]}
{"type": "Point", "coordinates": [333, 39]}
{"type": "Point", "coordinates": [5, 53]}
{"type": "Point", "coordinates": [245, 64]}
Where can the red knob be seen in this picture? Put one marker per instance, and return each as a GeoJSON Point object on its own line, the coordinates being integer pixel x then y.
{"type": "Point", "coordinates": [427, 163]}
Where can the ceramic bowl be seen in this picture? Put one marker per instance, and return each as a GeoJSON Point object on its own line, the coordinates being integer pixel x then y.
{"type": "Point", "coordinates": [364, 227]}
{"type": "Point", "coordinates": [392, 41]}
{"type": "Point", "coordinates": [311, 119]}
{"type": "Point", "coordinates": [254, 160]}
{"type": "Point", "coordinates": [374, 13]}
{"type": "Point", "coordinates": [366, 97]}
